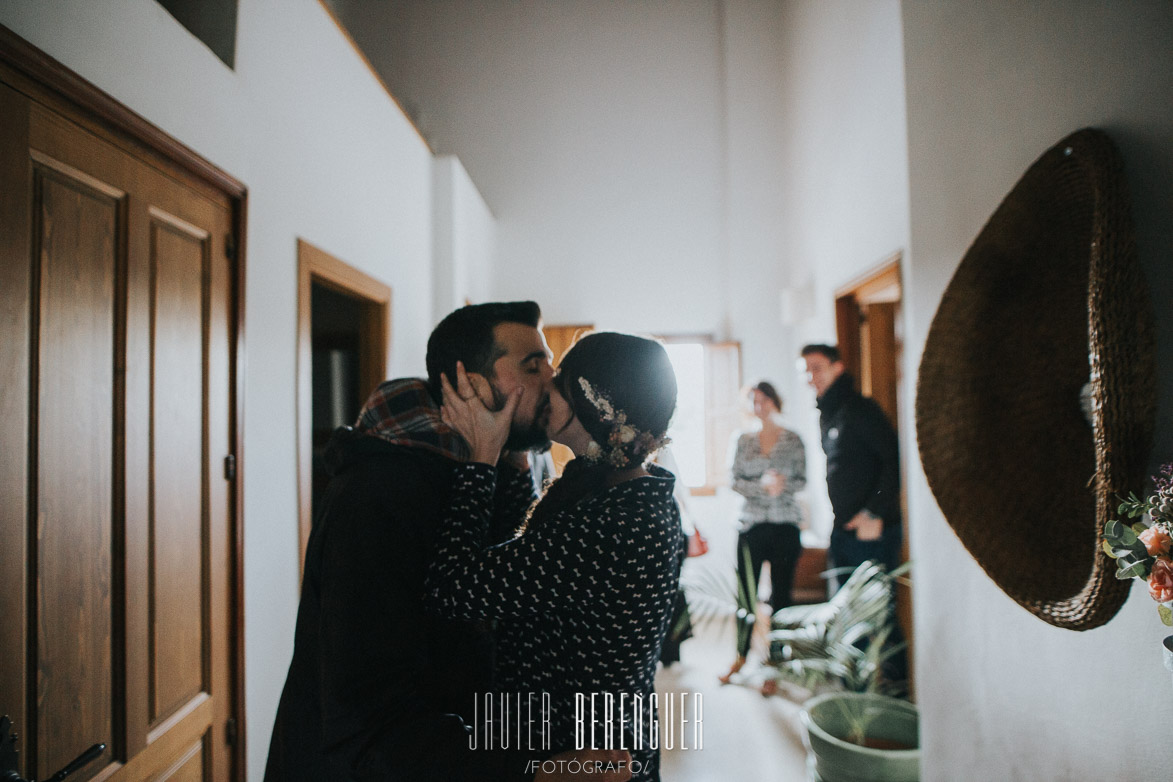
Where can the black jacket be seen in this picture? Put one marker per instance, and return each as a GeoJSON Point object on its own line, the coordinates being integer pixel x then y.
{"type": "Point", "coordinates": [376, 684]}
{"type": "Point", "coordinates": [863, 458]}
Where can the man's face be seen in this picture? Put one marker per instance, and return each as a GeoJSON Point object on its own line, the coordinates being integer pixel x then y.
{"type": "Point", "coordinates": [525, 365]}
{"type": "Point", "coordinates": [821, 372]}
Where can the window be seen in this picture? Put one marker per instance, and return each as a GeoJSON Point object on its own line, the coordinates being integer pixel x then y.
{"type": "Point", "coordinates": [708, 378]}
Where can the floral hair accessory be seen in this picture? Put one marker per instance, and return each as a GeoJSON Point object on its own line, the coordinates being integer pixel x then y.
{"type": "Point", "coordinates": [626, 445]}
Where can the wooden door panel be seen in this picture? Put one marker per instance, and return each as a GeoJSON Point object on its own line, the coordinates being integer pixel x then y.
{"type": "Point", "coordinates": [560, 339]}
{"type": "Point", "coordinates": [170, 743]}
{"type": "Point", "coordinates": [179, 287]}
{"type": "Point", "coordinates": [192, 766]}
{"type": "Point", "coordinates": [881, 356]}
{"type": "Point", "coordinates": [178, 649]}
{"type": "Point", "coordinates": [15, 324]}
{"type": "Point", "coordinates": [75, 255]}
{"type": "Point", "coordinates": [115, 354]}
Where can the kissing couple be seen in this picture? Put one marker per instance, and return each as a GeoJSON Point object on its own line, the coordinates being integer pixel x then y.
{"type": "Point", "coordinates": [437, 581]}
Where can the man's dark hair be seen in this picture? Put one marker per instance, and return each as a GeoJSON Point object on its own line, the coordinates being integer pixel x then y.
{"type": "Point", "coordinates": [829, 351]}
{"type": "Point", "coordinates": [466, 335]}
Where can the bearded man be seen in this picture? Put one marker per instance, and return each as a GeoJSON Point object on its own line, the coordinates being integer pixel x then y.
{"type": "Point", "coordinates": [377, 686]}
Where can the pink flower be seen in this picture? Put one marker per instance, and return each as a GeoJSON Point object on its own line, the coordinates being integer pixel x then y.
{"type": "Point", "coordinates": [1161, 580]}
{"type": "Point", "coordinates": [1156, 541]}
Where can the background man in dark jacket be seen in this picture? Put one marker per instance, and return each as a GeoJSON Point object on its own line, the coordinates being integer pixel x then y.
{"type": "Point", "coordinates": [863, 464]}
{"type": "Point", "coordinates": [377, 686]}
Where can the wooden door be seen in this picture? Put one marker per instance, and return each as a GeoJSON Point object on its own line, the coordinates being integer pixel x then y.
{"type": "Point", "coordinates": [867, 315]}
{"type": "Point", "coordinates": [561, 339]}
{"type": "Point", "coordinates": [880, 355]}
{"type": "Point", "coordinates": [116, 363]}
{"type": "Point", "coordinates": [868, 322]}
{"type": "Point", "coordinates": [317, 269]}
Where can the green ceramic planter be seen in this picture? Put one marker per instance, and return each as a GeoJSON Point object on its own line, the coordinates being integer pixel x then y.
{"type": "Point", "coordinates": [891, 730]}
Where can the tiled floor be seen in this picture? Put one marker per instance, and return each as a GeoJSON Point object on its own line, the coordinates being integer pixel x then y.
{"type": "Point", "coordinates": [744, 736]}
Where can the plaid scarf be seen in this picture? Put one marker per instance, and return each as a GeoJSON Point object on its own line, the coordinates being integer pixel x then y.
{"type": "Point", "coordinates": [403, 412]}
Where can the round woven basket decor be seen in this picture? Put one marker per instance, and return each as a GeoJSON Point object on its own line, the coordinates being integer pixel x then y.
{"type": "Point", "coordinates": [1049, 298]}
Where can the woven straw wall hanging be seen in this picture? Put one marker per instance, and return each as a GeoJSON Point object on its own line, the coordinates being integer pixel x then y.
{"type": "Point", "coordinates": [1048, 303]}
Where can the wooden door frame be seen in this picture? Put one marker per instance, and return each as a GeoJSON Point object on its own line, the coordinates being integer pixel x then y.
{"type": "Point", "coordinates": [318, 266]}
{"type": "Point", "coordinates": [880, 284]}
{"type": "Point", "coordinates": [883, 283]}
{"type": "Point", "coordinates": [45, 80]}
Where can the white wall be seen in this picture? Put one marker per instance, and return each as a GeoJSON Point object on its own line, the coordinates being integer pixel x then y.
{"type": "Point", "coordinates": [464, 239]}
{"type": "Point", "coordinates": [594, 132]}
{"type": "Point", "coordinates": [844, 179]}
{"type": "Point", "coordinates": [990, 87]}
{"type": "Point", "coordinates": [326, 156]}
{"type": "Point", "coordinates": [669, 167]}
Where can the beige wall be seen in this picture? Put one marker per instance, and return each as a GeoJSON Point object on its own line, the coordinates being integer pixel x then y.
{"type": "Point", "coordinates": [990, 86]}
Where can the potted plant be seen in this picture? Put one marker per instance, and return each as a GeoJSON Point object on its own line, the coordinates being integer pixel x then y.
{"type": "Point", "coordinates": [844, 643]}
{"type": "Point", "coordinates": [861, 737]}
{"type": "Point", "coordinates": [855, 730]}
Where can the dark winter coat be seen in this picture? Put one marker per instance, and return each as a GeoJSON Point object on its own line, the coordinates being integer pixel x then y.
{"type": "Point", "coordinates": [376, 683]}
{"type": "Point", "coordinates": [863, 458]}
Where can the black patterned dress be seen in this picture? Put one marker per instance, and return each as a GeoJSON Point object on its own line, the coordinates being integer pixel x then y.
{"type": "Point", "coordinates": [583, 602]}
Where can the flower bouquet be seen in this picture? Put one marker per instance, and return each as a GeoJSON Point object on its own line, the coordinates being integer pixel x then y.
{"type": "Point", "coordinates": [1142, 549]}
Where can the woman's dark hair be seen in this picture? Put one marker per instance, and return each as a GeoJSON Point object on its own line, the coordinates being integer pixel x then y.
{"type": "Point", "coordinates": [635, 376]}
{"type": "Point", "coordinates": [767, 388]}
{"type": "Point", "coordinates": [466, 335]}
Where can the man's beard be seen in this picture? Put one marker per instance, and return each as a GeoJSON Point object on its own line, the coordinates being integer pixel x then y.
{"type": "Point", "coordinates": [531, 437]}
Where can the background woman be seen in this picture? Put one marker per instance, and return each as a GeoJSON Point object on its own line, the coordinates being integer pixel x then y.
{"type": "Point", "coordinates": [769, 466]}
{"type": "Point", "coordinates": [584, 595]}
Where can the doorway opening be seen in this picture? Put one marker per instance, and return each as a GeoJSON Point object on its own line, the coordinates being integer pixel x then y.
{"type": "Point", "coordinates": [869, 327]}
{"type": "Point", "coordinates": [336, 337]}
{"type": "Point", "coordinates": [343, 326]}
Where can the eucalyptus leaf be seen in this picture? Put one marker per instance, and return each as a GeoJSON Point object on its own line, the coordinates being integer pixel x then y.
{"type": "Point", "coordinates": [1108, 549]}
{"type": "Point", "coordinates": [1138, 550]}
{"type": "Point", "coordinates": [1113, 528]}
{"type": "Point", "coordinates": [1135, 570]}
{"type": "Point", "coordinates": [1140, 527]}
{"type": "Point", "coordinates": [1127, 536]}
{"type": "Point", "coordinates": [1166, 615]}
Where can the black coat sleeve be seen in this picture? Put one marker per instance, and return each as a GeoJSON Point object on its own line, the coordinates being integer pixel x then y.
{"type": "Point", "coordinates": [877, 435]}
{"type": "Point", "coordinates": [511, 502]}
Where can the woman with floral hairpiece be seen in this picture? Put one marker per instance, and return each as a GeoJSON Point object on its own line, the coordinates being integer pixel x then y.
{"type": "Point", "coordinates": [583, 596]}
